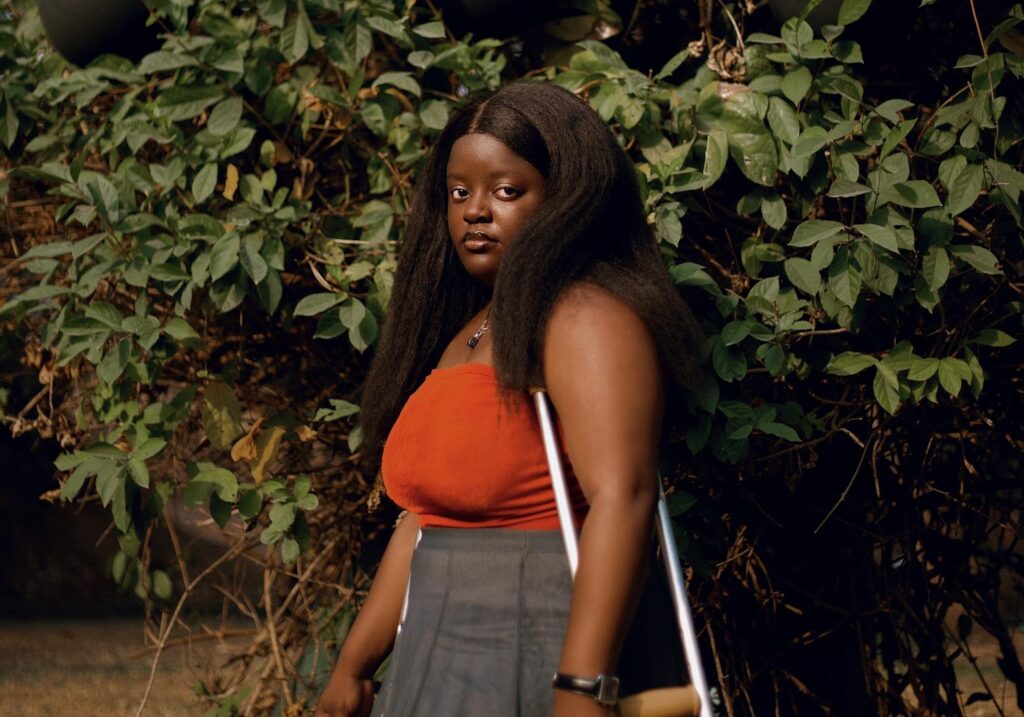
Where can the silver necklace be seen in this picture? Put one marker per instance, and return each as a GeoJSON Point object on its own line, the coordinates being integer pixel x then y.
{"type": "Point", "coordinates": [473, 340]}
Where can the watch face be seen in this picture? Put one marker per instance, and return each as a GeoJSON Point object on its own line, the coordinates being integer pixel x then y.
{"type": "Point", "coordinates": [607, 690]}
{"type": "Point", "coordinates": [603, 688]}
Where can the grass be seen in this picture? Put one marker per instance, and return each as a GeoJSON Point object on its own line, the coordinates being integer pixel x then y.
{"type": "Point", "coordinates": [95, 668]}
{"type": "Point", "coordinates": [99, 668]}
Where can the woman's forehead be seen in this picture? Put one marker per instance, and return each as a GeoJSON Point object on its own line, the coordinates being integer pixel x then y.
{"type": "Point", "coordinates": [479, 151]}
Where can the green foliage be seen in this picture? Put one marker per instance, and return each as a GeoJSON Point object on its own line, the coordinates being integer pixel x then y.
{"type": "Point", "coordinates": [259, 164]}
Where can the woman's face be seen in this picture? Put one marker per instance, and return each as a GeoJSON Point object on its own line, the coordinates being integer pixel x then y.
{"type": "Point", "coordinates": [491, 192]}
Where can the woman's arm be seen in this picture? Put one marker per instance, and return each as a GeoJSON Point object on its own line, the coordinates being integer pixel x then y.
{"type": "Point", "coordinates": [602, 373]}
{"type": "Point", "coordinates": [350, 691]}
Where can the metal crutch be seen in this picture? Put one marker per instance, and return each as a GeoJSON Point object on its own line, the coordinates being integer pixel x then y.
{"type": "Point", "coordinates": [651, 703]}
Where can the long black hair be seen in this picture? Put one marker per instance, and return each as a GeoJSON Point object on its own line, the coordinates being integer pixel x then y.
{"type": "Point", "coordinates": [590, 227]}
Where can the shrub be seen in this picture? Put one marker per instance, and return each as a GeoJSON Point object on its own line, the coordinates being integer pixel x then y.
{"type": "Point", "coordinates": [202, 251]}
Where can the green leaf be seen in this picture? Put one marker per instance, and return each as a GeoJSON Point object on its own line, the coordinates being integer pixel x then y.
{"type": "Point", "coordinates": [9, 128]}
{"type": "Point", "coordinates": [390, 27]}
{"type": "Point", "coordinates": [813, 231]}
{"type": "Point", "coordinates": [220, 510]}
{"type": "Point", "coordinates": [204, 182]}
{"type": "Point", "coordinates": [315, 304]}
{"type": "Point", "coordinates": [225, 116]}
{"type": "Point", "coordinates": [849, 363]}
{"type": "Point", "coordinates": [363, 335]}
{"type": "Point", "coordinates": [773, 209]}
{"type": "Point", "coordinates": [434, 114]}
{"type": "Point", "coordinates": [734, 332]}
{"type": "Point", "coordinates": [922, 369]}
{"type": "Point", "coordinates": [842, 188]}
{"type": "Point", "coordinates": [935, 268]}
{"type": "Point", "coordinates": [221, 414]}
{"type": "Point", "coordinates": [895, 136]}
{"type": "Point", "coordinates": [182, 102]}
{"type": "Point", "coordinates": [852, 10]}
{"type": "Point", "coordinates": [916, 194]}
{"type": "Point", "coordinates": [882, 236]}
{"type": "Point", "coordinates": [796, 83]}
{"type": "Point", "coordinates": [978, 257]}
{"type": "Point", "coordinates": [811, 141]}
{"type": "Point", "coordinates": [250, 504]}
{"type": "Point", "coordinates": [351, 313]}
{"type": "Point", "coordinates": [886, 388]}
{"type": "Point", "coordinates": [224, 255]}
{"type": "Point", "coordinates": [207, 479]}
{"type": "Point", "coordinates": [114, 362]}
{"type": "Point", "coordinates": [949, 376]}
{"type": "Point", "coordinates": [289, 550]}
{"type": "Point", "coordinates": [162, 61]}
{"type": "Point", "coordinates": [844, 278]}
{"type": "Point", "coordinates": [994, 337]}
{"type": "Point", "coordinates": [965, 189]}
{"type": "Point", "coordinates": [779, 429]}
{"type": "Point", "coordinates": [138, 471]}
{"type": "Point", "coordinates": [339, 409]}
{"type": "Point", "coordinates": [803, 275]}
{"type": "Point", "coordinates": [401, 80]}
{"type": "Point", "coordinates": [149, 448]}
{"type": "Point", "coordinates": [253, 263]}
{"type": "Point", "coordinates": [181, 331]}
{"type": "Point", "coordinates": [673, 63]}
{"type": "Point", "coordinates": [294, 39]}
{"type": "Point", "coordinates": [715, 156]}
{"type": "Point", "coordinates": [109, 479]}
{"type": "Point", "coordinates": [161, 585]}
{"type": "Point", "coordinates": [783, 120]}
{"type": "Point", "coordinates": [730, 364]}
{"type": "Point", "coordinates": [430, 30]}
{"type": "Point", "coordinates": [848, 52]}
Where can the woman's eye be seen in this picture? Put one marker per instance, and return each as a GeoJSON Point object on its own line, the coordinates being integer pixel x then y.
{"type": "Point", "coordinates": [508, 192]}
{"type": "Point", "coordinates": [458, 193]}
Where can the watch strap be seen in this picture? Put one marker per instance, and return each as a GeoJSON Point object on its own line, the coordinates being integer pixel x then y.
{"type": "Point", "coordinates": [603, 688]}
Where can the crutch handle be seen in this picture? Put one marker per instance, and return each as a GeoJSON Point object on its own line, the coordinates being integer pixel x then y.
{"type": "Point", "coordinates": [664, 702]}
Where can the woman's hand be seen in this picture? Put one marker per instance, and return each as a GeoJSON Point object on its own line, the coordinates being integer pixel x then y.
{"type": "Point", "coordinates": [349, 692]}
{"type": "Point", "coordinates": [345, 696]}
{"type": "Point", "coordinates": [570, 704]}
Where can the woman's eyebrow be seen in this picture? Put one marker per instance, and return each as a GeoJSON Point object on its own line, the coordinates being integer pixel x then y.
{"type": "Point", "coordinates": [512, 174]}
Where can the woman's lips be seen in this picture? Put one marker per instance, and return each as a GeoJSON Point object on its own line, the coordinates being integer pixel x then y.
{"type": "Point", "coordinates": [477, 242]}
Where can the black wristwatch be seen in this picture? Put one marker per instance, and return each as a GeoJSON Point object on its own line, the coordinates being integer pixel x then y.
{"type": "Point", "coordinates": [603, 688]}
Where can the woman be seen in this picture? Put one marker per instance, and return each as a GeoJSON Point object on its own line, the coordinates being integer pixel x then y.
{"type": "Point", "coordinates": [527, 261]}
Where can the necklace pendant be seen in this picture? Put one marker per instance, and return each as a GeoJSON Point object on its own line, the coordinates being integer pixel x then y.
{"type": "Point", "coordinates": [473, 340]}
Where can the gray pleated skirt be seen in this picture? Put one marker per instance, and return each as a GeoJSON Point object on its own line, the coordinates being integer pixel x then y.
{"type": "Point", "coordinates": [484, 625]}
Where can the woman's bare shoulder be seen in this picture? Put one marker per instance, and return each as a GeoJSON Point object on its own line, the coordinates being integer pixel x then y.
{"type": "Point", "coordinates": [596, 333]}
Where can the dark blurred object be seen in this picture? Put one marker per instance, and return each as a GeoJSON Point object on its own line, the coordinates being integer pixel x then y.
{"type": "Point", "coordinates": [505, 18]}
{"type": "Point", "coordinates": [827, 13]}
{"type": "Point", "coordinates": [82, 30]}
{"type": "Point", "coordinates": [494, 18]}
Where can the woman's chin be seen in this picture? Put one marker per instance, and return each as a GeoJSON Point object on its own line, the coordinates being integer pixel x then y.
{"type": "Point", "coordinates": [482, 267]}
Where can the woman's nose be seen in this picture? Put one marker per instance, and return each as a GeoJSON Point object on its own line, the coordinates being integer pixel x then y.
{"type": "Point", "coordinates": [477, 209]}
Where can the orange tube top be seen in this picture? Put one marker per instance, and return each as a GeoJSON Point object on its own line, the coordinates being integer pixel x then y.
{"type": "Point", "coordinates": [460, 459]}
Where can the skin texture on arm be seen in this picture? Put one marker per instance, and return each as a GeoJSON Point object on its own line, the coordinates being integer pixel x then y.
{"type": "Point", "coordinates": [602, 373]}
{"type": "Point", "coordinates": [350, 690]}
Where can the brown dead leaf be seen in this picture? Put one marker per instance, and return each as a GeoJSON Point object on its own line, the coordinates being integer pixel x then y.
{"type": "Point", "coordinates": [231, 182]}
{"type": "Point", "coordinates": [245, 447]}
{"type": "Point", "coordinates": [267, 445]}
{"type": "Point", "coordinates": [305, 434]}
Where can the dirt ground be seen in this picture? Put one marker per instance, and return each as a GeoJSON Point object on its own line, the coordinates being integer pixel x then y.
{"type": "Point", "coordinates": [99, 668]}
{"type": "Point", "coordinates": [96, 668]}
